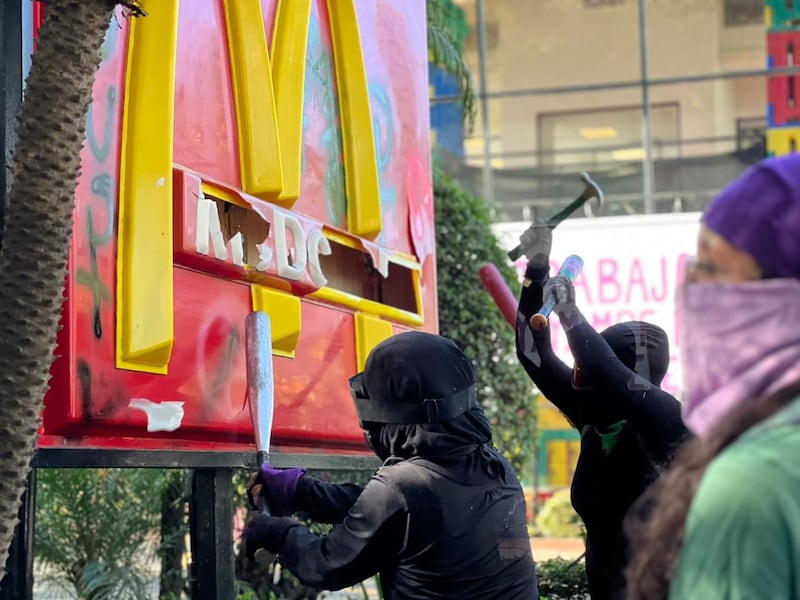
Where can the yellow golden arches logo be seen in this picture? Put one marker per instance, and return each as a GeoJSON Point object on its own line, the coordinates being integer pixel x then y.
{"type": "Point", "coordinates": [145, 321]}
{"type": "Point", "coordinates": [269, 108]}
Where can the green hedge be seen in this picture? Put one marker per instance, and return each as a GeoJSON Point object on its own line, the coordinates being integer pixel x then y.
{"type": "Point", "coordinates": [558, 518]}
{"type": "Point", "coordinates": [469, 316]}
{"type": "Point", "coordinates": [562, 579]}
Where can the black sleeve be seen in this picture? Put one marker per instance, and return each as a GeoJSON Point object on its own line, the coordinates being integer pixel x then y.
{"type": "Point", "coordinates": [325, 502]}
{"type": "Point", "coordinates": [534, 350]}
{"type": "Point", "coordinates": [367, 541]}
{"type": "Point", "coordinates": [654, 414]}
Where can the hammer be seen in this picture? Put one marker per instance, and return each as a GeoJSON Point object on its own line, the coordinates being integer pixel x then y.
{"type": "Point", "coordinates": [592, 190]}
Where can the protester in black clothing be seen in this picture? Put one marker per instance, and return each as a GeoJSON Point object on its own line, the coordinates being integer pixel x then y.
{"type": "Point", "coordinates": [444, 517]}
{"type": "Point", "coordinates": [629, 427]}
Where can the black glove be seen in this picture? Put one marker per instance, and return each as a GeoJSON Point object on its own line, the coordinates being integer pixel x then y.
{"type": "Point", "coordinates": [562, 292]}
{"type": "Point", "coordinates": [536, 241]}
{"type": "Point", "coordinates": [266, 532]}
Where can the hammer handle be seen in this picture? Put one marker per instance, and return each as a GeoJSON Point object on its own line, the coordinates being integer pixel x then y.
{"type": "Point", "coordinates": [553, 221]}
{"type": "Point", "coordinates": [570, 208]}
{"type": "Point", "coordinates": [262, 456]}
{"type": "Point", "coordinates": [539, 320]}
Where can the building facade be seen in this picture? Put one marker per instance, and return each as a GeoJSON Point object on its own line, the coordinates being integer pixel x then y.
{"type": "Point", "coordinates": [662, 101]}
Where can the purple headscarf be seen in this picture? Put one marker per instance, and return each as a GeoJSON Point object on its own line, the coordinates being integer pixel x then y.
{"type": "Point", "coordinates": [741, 341]}
{"type": "Point", "coordinates": [759, 213]}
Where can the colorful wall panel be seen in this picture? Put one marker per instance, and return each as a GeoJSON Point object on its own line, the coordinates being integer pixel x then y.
{"type": "Point", "coordinates": [782, 19]}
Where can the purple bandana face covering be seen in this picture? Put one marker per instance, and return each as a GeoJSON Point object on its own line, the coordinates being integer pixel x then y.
{"type": "Point", "coordinates": [738, 342]}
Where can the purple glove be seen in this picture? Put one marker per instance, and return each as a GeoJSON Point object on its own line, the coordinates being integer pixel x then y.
{"type": "Point", "coordinates": [266, 532]}
{"type": "Point", "coordinates": [276, 486]}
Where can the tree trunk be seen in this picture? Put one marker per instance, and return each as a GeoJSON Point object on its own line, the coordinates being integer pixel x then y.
{"type": "Point", "coordinates": [38, 228]}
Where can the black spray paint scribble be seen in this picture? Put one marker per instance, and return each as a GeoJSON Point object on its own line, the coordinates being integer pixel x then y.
{"type": "Point", "coordinates": [102, 186]}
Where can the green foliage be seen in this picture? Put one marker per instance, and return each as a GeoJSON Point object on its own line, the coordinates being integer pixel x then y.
{"type": "Point", "coordinates": [562, 579]}
{"type": "Point", "coordinates": [558, 519]}
{"type": "Point", "coordinates": [174, 496]}
{"type": "Point", "coordinates": [245, 591]}
{"type": "Point", "coordinates": [95, 528]}
{"type": "Point", "coordinates": [469, 316]}
{"type": "Point", "coordinates": [103, 581]}
{"type": "Point", "coordinates": [447, 28]}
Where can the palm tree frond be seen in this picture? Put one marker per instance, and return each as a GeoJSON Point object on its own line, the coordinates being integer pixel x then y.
{"type": "Point", "coordinates": [100, 581]}
{"type": "Point", "coordinates": [446, 31]}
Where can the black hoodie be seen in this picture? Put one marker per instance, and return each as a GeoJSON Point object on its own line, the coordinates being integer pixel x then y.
{"type": "Point", "coordinates": [630, 428]}
{"type": "Point", "coordinates": [444, 517]}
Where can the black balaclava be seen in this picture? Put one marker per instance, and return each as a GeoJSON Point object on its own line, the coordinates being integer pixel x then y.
{"type": "Point", "coordinates": [640, 346]}
{"type": "Point", "coordinates": [412, 367]}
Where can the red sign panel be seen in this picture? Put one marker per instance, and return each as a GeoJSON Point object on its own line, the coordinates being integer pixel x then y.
{"type": "Point", "coordinates": [215, 184]}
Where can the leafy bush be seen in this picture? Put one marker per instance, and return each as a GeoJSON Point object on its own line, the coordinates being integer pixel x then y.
{"type": "Point", "coordinates": [562, 579]}
{"type": "Point", "coordinates": [96, 528]}
{"type": "Point", "coordinates": [558, 519]}
{"type": "Point", "coordinates": [469, 316]}
{"type": "Point", "coordinates": [447, 28]}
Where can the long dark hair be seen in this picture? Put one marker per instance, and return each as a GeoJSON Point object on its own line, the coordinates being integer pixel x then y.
{"type": "Point", "coordinates": [656, 523]}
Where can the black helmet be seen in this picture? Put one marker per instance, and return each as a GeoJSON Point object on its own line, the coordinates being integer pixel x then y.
{"type": "Point", "coordinates": [414, 378]}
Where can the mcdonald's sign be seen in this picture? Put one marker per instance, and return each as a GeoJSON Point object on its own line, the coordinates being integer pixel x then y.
{"type": "Point", "coordinates": [240, 155]}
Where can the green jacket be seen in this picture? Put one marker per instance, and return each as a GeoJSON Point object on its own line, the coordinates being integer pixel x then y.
{"type": "Point", "coordinates": [743, 531]}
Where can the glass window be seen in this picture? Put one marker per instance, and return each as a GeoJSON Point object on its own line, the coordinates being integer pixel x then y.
{"type": "Point", "coordinates": [554, 43]}
{"type": "Point", "coordinates": [722, 131]}
{"type": "Point", "coordinates": [691, 37]}
{"type": "Point", "coordinates": [564, 94]}
{"type": "Point", "coordinates": [744, 12]}
{"type": "Point", "coordinates": [602, 137]}
{"type": "Point", "coordinates": [592, 3]}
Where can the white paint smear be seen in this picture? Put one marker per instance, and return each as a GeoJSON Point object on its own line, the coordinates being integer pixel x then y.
{"type": "Point", "coordinates": [161, 416]}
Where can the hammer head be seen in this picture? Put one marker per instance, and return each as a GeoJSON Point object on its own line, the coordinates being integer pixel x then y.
{"type": "Point", "coordinates": [592, 189]}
